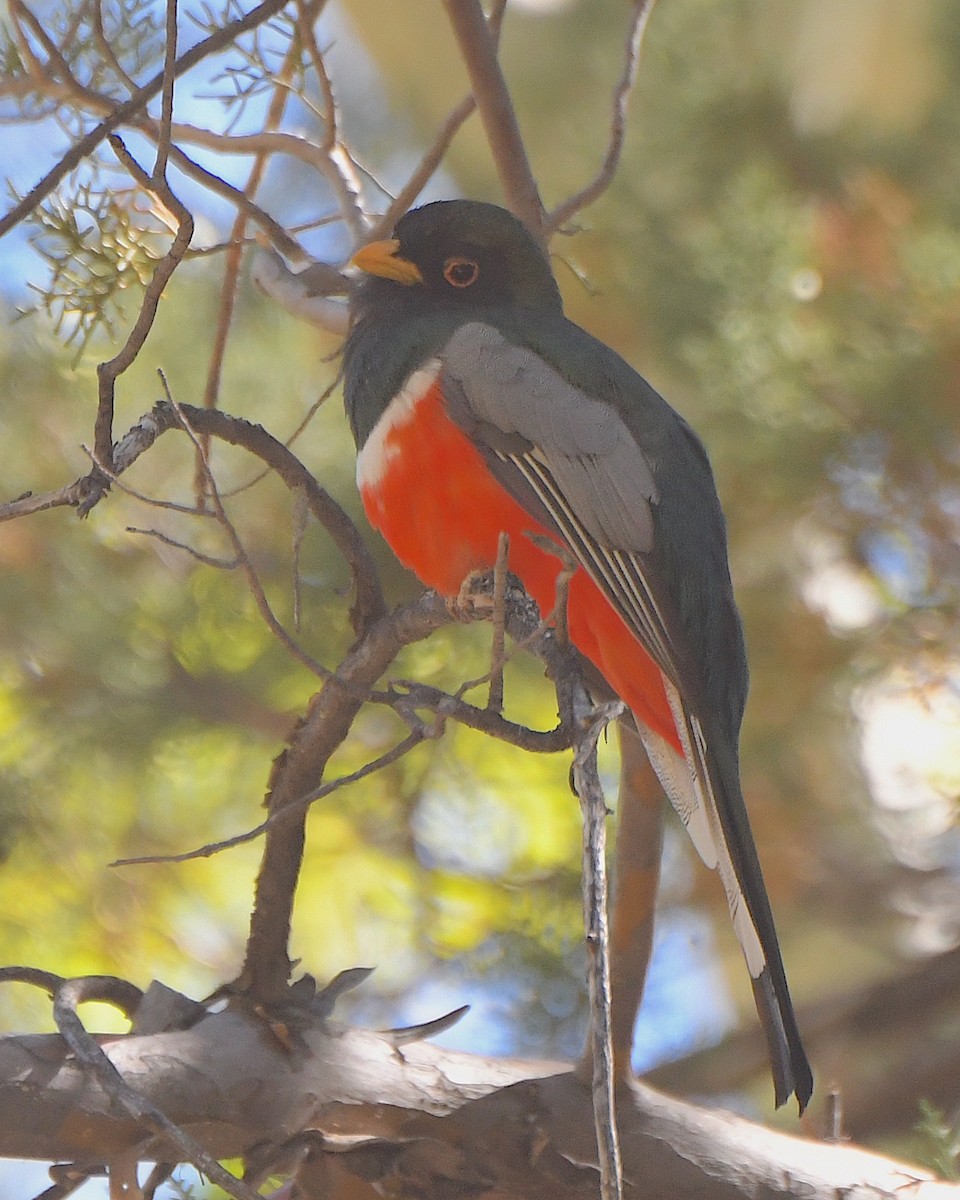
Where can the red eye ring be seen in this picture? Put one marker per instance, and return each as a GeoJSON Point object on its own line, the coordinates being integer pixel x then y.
{"type": "Point", "coordinates": [461, 272]}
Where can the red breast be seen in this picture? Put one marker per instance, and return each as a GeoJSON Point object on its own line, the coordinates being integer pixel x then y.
{"type": "Point", "coordinates": [426, 487]}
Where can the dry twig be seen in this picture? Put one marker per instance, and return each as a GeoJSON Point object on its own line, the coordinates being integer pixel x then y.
{"type": "Point", "coordinates": [108, 372]}
{"type": "Point", "coordinates": [128, 109]}
{"type": "Point", "coordinates": [479, 53]}
{"type": "Point", "coordinates": [618, 125]}
{"type": "Point", "coordinates": [586, 782]}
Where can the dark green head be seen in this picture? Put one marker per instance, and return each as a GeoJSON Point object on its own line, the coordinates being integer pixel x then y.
{"type": "Point", "coordinates": [456, 255]}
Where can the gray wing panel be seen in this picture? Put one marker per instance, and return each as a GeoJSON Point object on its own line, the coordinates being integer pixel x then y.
{"type": "Point", "coordinates": [571, 459]}
{"type": "Point", "coordinates": [516, 402]}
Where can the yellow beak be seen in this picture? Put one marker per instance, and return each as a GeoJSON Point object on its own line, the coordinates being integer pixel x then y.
{"type": "Point", "coordinates": [380, 258]}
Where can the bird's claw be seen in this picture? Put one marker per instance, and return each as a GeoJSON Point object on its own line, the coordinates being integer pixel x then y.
{"type": "Point", "coordinates": [470, 604]}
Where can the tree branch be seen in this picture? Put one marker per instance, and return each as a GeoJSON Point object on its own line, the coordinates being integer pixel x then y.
{"type": "Point", "coordinates": [427, 167]}
{"type": "Point", "coordinates": [618, 125]}
{"type": "Point", "coordinates": [409, 1119]}
{"type": "Point", "coordinates": [91, 1058]}
{"type": "Point", "coordinates": [108, 372]}
{"type": "Point", "coordinates": [586, 782]}
{"type": "Point", "coordinates": [124, 111]}
{"type": "Point", "coordinates": [479, 52]}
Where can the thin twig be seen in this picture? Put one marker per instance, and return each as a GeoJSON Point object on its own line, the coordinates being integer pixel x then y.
{"type": "Point", "coordinates": [188, 510]}
{"type": "Point", "coordinates": [291, 438]}
{"type": "Point", "coordinates": [103, 45]}
{"type": "Point", "coordinates": [414, 696]}
{"type": "Point", "coordinates": [166, 111]}
{"type": "Point", "coordinates": [293, 809]}
{"type": "Point", "coordinates": [105, 989]}
{"type": "Point", "coordinates": [586, 783]}
{"type": "Point", "coordinates": [636, 866]}
{"type": "Point", "coordinates": [34, 976]}
{"type": "Point", "coordinates": [618, 125]}
{"type": "Point", "coordinates": [834, 1116]}
{"type": "Point", "coordinates": [108, 372]}
{"type": "Point", "coordinates": [479, 53]}
{"type": "Point", "coordinates": [369, 604]}
{"type": "Point", "coordinates": [231, 270]}
{"type": "Point", "coordinates": [426, 168]}
{"type": "Point", "coordinates": [208, 560]}
{"type": "Point", "coordinates": [498, 620]}
{"type": "Point", "coordinates": [55, 59]}
{"type": "Point", "coordinates": [337, 166]}
{"type": "Point", "coordinates": [67, 1178]}
{"type": "Point", "coordinates": [279, 236]}
{"type": "Point", "coordinates": [289, 643]}
{"type": "Point", "coordinates": [128, 109]}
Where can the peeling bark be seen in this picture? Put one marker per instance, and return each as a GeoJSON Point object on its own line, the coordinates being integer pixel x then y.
{"type": "Point", "coordinates": [349, 1105]}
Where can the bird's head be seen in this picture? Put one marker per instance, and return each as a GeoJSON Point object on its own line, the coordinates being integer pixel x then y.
{"type": "Point", "coordinates": [456, 253]}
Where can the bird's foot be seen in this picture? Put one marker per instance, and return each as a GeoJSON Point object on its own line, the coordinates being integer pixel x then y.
{"type": "Point", "coordinates": [471, 603]}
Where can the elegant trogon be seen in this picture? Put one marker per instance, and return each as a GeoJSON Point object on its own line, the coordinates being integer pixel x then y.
{"type": "Point", "coordinates": [478, 408]}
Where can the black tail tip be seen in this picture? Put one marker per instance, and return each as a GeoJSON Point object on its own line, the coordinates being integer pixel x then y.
{"type": "Point", "coordinates": [797, 1082]}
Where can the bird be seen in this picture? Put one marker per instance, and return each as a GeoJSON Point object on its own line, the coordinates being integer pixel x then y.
{"type": "Point", "coordinates": [478, 409]}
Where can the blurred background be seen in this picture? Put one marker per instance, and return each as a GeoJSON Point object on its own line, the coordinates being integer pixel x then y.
{"type": "Point", "coordinates": [780, 255]}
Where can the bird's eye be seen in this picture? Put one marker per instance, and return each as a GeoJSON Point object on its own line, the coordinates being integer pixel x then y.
{"type": "Point", "coordinates": [460, 272]}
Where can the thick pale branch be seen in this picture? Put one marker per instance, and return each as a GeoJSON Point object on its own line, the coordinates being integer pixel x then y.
{"type": "Point", "coordinates": [304, 294]}
{"type": "Point", "coordinates": [414, 1119]}
{"type": "Point", "coordinates": [91, 1057]}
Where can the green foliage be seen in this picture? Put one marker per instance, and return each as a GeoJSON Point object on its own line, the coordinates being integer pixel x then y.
{"type": "Point", "coordinates": [98, 244]}
{"type": "Point", "coordinates": [11, 62]}
{"type": "Point", "coordinates": [939, 1142]}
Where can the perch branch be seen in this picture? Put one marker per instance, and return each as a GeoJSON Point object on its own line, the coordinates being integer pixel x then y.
{"type": "Point", "coordinates": [323, 729]}
{"type": "Point", "coordinates": [406, 698]}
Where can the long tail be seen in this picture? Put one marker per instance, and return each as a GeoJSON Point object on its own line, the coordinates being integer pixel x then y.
{"type": "Point", "coordinates": [704, 787]}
